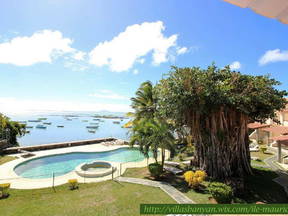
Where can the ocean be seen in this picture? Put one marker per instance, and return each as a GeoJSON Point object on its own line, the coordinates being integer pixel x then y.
{"type": "Point", "coordinates": [74, 129]}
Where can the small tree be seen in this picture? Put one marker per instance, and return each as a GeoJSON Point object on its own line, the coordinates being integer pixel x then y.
{"type": "Point", "coordinates": [10, 130]}
{"type": "Point", "coordinates": [152, 135]}
{"type": "Point", "coordinates": [148, 131]}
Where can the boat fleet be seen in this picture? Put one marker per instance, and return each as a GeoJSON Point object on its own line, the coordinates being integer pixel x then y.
{"type": "Point", "coordinates": [42, 123]}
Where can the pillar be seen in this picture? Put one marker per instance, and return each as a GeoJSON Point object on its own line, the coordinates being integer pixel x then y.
{"type": "Point", "coordinates": [281, 118]}
{"type": "Point", "coordinates": [279, 151]}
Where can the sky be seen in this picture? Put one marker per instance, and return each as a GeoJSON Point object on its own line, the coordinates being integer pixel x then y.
{"type": "Point", "coordinates": [92, 55]}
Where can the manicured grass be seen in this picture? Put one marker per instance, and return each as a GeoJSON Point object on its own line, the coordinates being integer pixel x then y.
{"type": "Point", "coordinates": [178, 182]}
{"type": "Point", "coordinates": [4, 159]}
{"type": "Point", "coordinates": [261, 157]}
{"type": "Point", "coordinates": [261, 187]}
{"type": "Point", "coordinates": [258, 187]}
{"type": "Point", "coordinates": [96, 199]}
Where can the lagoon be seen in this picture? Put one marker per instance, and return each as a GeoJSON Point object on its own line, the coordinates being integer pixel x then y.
{"type": "Point", "coordinates": [74, 129]}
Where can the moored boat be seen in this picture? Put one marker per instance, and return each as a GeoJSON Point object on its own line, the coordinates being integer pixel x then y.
{"type": "Point", "coordinates": [92, 127]}
{"type": "Point", "coordinates": [41, 127]}
{"type": "Point", "coordinates": [22, 122]}
{"type": "Point", "coordinates": [34, 120]}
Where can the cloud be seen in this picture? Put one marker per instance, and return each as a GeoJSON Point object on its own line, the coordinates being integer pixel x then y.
{"type": "Point", "coordinates": [130, 46]}
{"type": "Point", "coordinates": [235, 65]}
{"type": "Point", "coordinates": [135, 71]}
{"type": "Point", "coordinates": [141, 60]}
{"type": "Point", "coordinates": [107, 94]}
{"type": "Point", "coordinates": [76, 65]}
{"type": "Point", "coordinates": [15, 106]}
{"type": "Point", "coordinates": [42, 46]}
{"type": "Point", "coordinates": [181, 50]}
{"type": "Point", "coordinates": [79, 55]}
{"type": "Point", "coordinates": [275, 55]}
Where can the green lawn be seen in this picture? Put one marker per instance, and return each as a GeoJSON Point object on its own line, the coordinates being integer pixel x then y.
{"type": "Point", "coordinates": [261, 157]}
{"type": "Point", "coordinates": [259, 187]}
{"type": "Point", "coordinates": [4, 159]}
{"type": "Point", "coordinates": [96, 199]}
{"type": "Point", "coordinates": [177, 181]}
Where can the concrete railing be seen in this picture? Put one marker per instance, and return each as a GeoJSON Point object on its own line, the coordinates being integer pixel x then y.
{"type": "Point", "coordinates": [14, 150]}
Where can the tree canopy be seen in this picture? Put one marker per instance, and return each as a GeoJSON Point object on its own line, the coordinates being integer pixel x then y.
{"type": "Point", "coordinates": [9, 130]}
{"type": "Point", "coordinates": [207, 90]}
{"type": "Point", "coordinates": [216, 104]}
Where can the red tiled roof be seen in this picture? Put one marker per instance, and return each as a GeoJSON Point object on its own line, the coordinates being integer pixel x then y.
{"type": "Point", "coordinates": [276, 129]}
{"type": "Point", "coordinates": [256, 125]}
{"type": "Point", "coordinates": [281, 138]}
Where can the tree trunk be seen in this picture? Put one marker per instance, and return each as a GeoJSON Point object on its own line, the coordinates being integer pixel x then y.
{"type": "Point", "coordinates": [221, 143]}
{"type": "Point", "coordinates": [162, 156]}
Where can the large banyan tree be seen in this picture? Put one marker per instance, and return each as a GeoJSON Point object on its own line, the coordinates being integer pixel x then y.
{"type": "Point", "coordinates": [216, 105]}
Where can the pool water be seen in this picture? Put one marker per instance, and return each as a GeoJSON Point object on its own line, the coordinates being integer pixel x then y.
{"type": "Point", "coordinates": [44, 167]}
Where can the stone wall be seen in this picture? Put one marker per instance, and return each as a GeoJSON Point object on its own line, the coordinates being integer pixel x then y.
{"type": "Point", "coordinates": [14, 150]}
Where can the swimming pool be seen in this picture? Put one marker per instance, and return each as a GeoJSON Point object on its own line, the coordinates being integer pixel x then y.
{"type": "Point", "coordinates": [44, 167]}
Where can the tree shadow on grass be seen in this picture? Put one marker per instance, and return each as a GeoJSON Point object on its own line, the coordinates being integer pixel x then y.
{"type": "Point", "coordinates": [261, 187]}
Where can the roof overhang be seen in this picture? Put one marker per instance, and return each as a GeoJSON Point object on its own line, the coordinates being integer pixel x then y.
{"type": "Point", "coordinates": [256, 125]}
{"type": "Point", "coordinates": [277, 9]}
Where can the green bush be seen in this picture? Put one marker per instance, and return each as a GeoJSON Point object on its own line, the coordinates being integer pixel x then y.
{"type": "Point", "coordinates": [221, 192]}
{"type": "Point", "coordinates": [4, 190]}
{"type": "Point", "coordinates": [263, 149]}
{"type": "Point", "coordinates": [155, 169]}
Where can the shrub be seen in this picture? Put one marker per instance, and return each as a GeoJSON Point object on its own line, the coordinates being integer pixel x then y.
{"type": "Point", "coordinates": [73, 184]}
{"type": "Point", "coordinates": [4, 190]}
{"type": "Point", "coordinates": [263, 149]}
{"type": "Point", "coordinates": [194, 179]}
{"type": "Point", "coordinates": [155, 169]}
{"type": "Point", "coordinates": [221, 192]}
{"type": "Point", "coordinates": [181, 156]}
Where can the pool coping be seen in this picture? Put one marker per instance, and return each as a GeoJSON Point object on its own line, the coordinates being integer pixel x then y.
{"type": "Point", "coordinates": [8, 175]}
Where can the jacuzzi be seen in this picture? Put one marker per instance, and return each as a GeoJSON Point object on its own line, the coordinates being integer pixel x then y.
{"type": "Point", "coordinates": [95, 169]}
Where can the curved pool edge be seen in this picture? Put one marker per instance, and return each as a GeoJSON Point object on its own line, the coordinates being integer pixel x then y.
{"type": "Point", "coordinates": [17, 182]}
{"type": "Point", "coordinates": [27, 160]}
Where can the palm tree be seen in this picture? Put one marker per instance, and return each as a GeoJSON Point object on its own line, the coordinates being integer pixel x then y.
{"type": "Point", "coordinates": [149, 132]}
{"type": "Point", "coordinates": [152, 135]}
{"type": "Point", "coordinates": [144, 103]}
